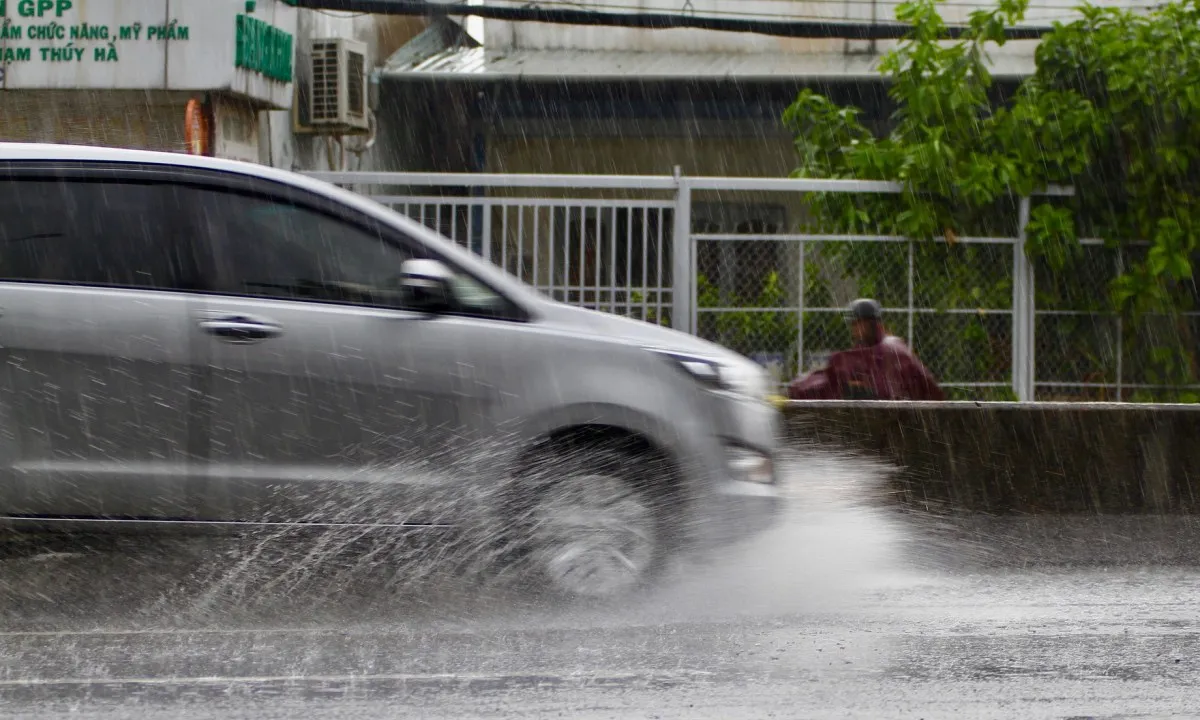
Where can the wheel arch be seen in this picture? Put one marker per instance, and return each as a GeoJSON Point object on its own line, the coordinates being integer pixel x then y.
{"type": "Point", "coordinates": [605, 434]}
{"type": "Point", "coordinates": [619, 437]}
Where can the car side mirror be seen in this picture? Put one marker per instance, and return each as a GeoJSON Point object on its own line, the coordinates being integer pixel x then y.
{"type": "Point", "coordinates": [425, 285]}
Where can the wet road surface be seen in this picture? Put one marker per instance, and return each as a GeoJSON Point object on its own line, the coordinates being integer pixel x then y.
{"type": "Point", "coordinates": [849, 608]}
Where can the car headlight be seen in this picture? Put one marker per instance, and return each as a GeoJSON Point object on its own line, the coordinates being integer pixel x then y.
{"type": "Point", "coordinates": [746, 378]}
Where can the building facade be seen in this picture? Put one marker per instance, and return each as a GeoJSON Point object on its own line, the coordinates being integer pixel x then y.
{"type": "Point", "coordinates": [123, 72]}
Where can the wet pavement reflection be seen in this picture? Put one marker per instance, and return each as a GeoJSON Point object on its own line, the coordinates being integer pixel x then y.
{"type": "Point", "coordinates": [848, 607]}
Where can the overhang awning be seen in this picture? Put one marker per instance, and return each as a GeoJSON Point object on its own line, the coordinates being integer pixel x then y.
{"type": "Point", "coordinates": [482, 64]}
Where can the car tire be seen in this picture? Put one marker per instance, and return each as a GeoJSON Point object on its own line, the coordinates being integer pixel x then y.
{"type": "Point", "coordinates": [593, 520]}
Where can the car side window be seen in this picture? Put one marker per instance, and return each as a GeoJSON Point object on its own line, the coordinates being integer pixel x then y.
{"type": "Point", "coordinates": [92, 232]}
{"type": "Point", "coordinates": [267, 247]}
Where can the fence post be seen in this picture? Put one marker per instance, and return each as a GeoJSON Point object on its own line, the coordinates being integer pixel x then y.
{"type": "Point", "coordinates": [1023, 327]}
{"type": "Point", "coordinates": [486, 231]}
{"type": "Point", "coordinates": [683, 278]}
{"type": "Point", "coordinates": [1120, 268]}
{"type": "Point", "coordinates": [800, 314]}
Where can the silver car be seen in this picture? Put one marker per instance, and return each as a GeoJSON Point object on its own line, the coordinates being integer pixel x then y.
{"type": "Point", "coordinates": [197, 343]}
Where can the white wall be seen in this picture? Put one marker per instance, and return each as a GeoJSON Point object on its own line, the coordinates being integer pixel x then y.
{"type": "Point", "coordinates": [537, 36]}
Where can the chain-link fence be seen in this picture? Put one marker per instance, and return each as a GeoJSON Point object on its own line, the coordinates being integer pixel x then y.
{"type": "Point", "coordinates": [782, 302]}
{"type": "Point", "coordinates": [774, 288]}
{"type": "Point", "coordinates": [1085, 352]}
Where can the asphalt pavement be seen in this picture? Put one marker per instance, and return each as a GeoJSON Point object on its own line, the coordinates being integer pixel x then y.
{"type": "Point", "coordinates": [848, 608]}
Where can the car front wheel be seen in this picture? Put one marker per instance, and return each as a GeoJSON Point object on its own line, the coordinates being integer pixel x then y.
{"type": "Point", "coordinates": [595, 518]}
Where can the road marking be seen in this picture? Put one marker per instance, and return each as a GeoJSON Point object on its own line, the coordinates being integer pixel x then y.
{"type": "Point", "coordinates": [185, 631]}
{"type": "Point", "coordinates": [416, 678]}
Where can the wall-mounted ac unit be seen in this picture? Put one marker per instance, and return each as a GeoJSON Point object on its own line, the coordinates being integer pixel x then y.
{"type": "Point", "coordinates": [331, 88]}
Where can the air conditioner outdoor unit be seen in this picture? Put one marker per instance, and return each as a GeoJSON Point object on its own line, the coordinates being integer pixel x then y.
{"type": "Point", "coordinates": [335, 89]}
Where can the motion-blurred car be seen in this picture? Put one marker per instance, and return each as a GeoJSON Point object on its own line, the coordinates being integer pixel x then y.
{"type": "Point", "coordinates": [189, 342]}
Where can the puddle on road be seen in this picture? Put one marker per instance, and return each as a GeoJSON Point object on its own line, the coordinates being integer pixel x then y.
{"type": "Point", "coordinates": [836, 537]}
{"type": "Point", "coordinates": [840, 541]}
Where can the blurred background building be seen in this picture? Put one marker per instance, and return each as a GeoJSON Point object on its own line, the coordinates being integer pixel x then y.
{"type": "Point", "coordinates": [122, 72]}
{"type": "Point", "coordinates": [410, 92]}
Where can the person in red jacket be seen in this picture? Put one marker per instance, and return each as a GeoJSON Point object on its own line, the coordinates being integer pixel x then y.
{"type": "Point", "coordinates": [880, 367]}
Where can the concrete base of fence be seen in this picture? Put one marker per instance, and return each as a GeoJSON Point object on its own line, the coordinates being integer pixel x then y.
{"type": "Point", "coordinates": [1008, 458]}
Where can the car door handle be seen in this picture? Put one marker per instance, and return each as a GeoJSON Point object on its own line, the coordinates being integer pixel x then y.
{"type": "Point", "coordinates": [241, 329]}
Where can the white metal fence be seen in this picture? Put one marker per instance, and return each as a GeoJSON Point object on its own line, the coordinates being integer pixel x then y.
{"type": "Point", "coordinates": [600, 242]}
{"type": "Point", "coordinates": [727, 259]}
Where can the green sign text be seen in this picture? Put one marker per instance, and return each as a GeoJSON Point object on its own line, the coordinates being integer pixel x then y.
{"type": "Point", "coordinates": [263, 48]}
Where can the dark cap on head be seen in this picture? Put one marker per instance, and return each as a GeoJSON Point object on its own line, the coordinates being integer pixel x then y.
{"type": "Point", "coordinates": [865, 309]}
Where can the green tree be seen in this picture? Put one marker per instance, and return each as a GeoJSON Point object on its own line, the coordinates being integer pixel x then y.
{"type": "Point", "coordinates": [1112, 110]}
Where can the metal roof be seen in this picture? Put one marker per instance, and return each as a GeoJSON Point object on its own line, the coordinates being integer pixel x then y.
{"type": "Point", "coordinates": [479, 63]}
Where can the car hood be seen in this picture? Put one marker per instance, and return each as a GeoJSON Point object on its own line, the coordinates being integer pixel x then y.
{"type": "Point", "coordinates": [633, 332]}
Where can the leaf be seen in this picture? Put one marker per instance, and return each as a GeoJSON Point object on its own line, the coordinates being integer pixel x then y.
{"type": "Point", "coordinates": [1179, 266]}
{"type": "Point", "coordinates": [1157, 260]}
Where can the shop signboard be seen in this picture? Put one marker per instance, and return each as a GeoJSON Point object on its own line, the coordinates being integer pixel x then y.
{"type": "Point", "coordinates": [200, 45]}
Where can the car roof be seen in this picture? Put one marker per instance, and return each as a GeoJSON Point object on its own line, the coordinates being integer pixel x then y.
{"type": "Point", "coordinates": [87, 153]}
{"type": "Point", "coordinates": [10, 152]}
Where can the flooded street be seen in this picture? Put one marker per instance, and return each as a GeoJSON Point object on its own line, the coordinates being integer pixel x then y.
{"type": "Point", "coordinates": [849, 608]}
{"type": "Point", "coordinates": [466, 323]}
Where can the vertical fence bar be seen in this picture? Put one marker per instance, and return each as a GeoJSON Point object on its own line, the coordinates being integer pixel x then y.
{"type": "Point", "coordinates": [520, 261]}
{"type": "Point", "coordinates": [683, 278]}
{"type": "Point", "coordinates": [598, 238]}
{"type": "Point", "coordinates": [612, 266]}
{"type": "Point", "coordinates": [486, 209]}
{"type": "Point", "coordinates": [629, 262]}
{"type": "Point", "coordinates": [533, 271]}
{"type": "Point", "coordinates": [566, 263]}
{"type": "Point", "coordinates": [521, 245]}
{"type": "Point", "coordinates": [1120, 267]}
{"type": "Point", "coordinates": [911, 285]}
{"type": "Point", "coordinates": [552, 211]}
{"type": "Point", "coordinates": [1023, 312]}
{"type": "Point", "coordinates": [1120, 357]}
{"type": "Point", "coordinates": [537, 245]}
{"type": "Point", "coordinates": [582, 257]}
{"type": "Point", "coordinates": [504, 237]}
{"type": "Point", "coordinates": [645, 261]}
{"type": "Point", "coordinates": [658, 268]}
{"type": "Point", "coordinates": [800, 315]}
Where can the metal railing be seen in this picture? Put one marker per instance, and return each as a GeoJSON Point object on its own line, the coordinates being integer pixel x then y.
{"type": "Point", "coordinates": [686, 252]}
{"type": "Point", "coordinates": [600, 242]}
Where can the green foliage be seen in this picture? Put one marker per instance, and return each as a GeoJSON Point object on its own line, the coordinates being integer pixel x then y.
{"type": "Point", "coordinates": [1050, 234]}
{"type": "Point", "coordinates": [746, 329]}
{"type": "Point", "coordinates": [1113, 110]}
{"type": "Point", "coordinates": [1142, 73]}
{"type": "Point", "coordinates": [651, 314]}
